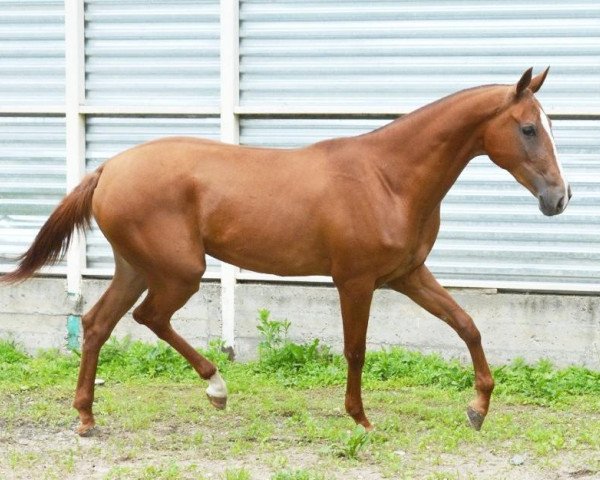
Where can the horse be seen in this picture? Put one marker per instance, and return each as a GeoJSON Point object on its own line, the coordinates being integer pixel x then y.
{"type": "Point", "coordinates": [364, 210]}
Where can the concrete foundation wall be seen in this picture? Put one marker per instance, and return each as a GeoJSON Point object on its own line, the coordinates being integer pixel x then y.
{"type": "Point", "coordinates": [562, 328]}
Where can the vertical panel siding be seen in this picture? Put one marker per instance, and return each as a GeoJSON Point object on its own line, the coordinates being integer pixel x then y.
{"type": "Point", "coordinates": [107, 136]}
{"type": "Point", "coordinates": [32, 57]}
{"type": "Point", "coordinates": [33, 179]}
{"type": "Point", "coordinates": [491, 226]}
{"type": "Point", "coordinates": [140, 52]}
{"type": "Point", "coordinates": [406, 54]}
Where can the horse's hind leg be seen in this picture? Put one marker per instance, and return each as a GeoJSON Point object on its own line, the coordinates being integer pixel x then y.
{"type": "Point", "coordinates": [423, 289]}
{"type": "Point", "coordinates": [165, 296]}
{"type": "Point", "coordinates": [126, 287]}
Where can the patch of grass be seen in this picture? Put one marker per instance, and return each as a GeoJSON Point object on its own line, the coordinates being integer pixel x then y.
{"type": "Point", "coordinates": [11, 354]}
{"type": "Point", "coordinates": [352, 443]}
{"type": "Point", "coordinates": [292, 363]}
{"type": "Point", "coordinates": [153, 406]}
{"type": "Point", "coordinates": [122, 359]}
{"type": "Point", "coordinates": [297, 475]}
{"type": "Point", "coordinates": [311, 364]}
{"type": "Point", "coordinates": [306, 366]}
{"type": "Point", "coordinates": [237, 474]}
{"type": "Point", "coordinates": [443, 476]}
{"type": "Point", "coordinates": [49, 367]}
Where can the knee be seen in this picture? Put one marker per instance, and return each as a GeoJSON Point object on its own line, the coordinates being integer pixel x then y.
{"type": "Point", "coordinates": [144, 316]}
{"type": "Point", "coordinates": [93, 334]}
{"type": "Point", "coordinates": [355, 358]}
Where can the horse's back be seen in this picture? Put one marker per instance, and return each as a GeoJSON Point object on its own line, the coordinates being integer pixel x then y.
{"type": "Point", "coordinates": [254, 207]}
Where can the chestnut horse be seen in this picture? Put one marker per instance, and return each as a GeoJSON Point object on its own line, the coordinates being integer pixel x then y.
{"type": "Point", "coordinates": [364, 209]}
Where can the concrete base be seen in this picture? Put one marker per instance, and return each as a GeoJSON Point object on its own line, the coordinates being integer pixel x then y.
{"type": "Point", "coordinates": [562, 328]}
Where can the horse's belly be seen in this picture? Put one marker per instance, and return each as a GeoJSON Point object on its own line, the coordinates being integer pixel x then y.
{"type": "Point", "coordinates": [277, 261]}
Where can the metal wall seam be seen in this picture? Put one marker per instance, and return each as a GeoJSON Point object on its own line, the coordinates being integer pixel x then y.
{"type": "Point", "coordinates": [230, 132]}
{"type": "Point", "coordinates": [75, 135]}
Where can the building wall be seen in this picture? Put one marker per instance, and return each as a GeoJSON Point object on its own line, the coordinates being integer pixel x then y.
{"type": "Point", "coordinates": [562, 328]}
{"type": "Point", "coordinates": [81, 80]}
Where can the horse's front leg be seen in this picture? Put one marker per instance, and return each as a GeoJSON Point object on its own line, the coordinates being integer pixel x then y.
{"type": "Point", "coordinates": [423, 289]}
{"type": "Point", "coordinates": [355, 301]}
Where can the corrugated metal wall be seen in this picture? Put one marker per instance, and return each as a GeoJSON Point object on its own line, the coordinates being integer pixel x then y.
{"type": "Point", "coordinates": [406, 54]}
{"type": "Point", "coordinates": [143, 53]}
{"type": "Point", "coordinates": [33, 180]}
{"type": "Point", "coordinates": [32, 66]}
{"type": "Point", "coordinates": [388, 55]}
{"type": "Point", "coordinates": [32, 148]}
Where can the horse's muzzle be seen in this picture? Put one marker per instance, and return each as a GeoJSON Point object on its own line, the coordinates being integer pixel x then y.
{"type": "Point", "coordinates": [554, 200]}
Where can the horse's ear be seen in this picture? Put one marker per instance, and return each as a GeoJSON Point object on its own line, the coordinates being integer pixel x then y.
{"type": "Point", "coordinates": [538, 81]}
{"type": "Point", "coordinates": [524, 82]}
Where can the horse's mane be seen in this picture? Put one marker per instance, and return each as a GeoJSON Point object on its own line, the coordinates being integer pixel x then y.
{"type": "Point", "coordinates": [437, 102]}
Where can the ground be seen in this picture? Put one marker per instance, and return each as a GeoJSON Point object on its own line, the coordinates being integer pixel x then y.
{"type": "Point", "coordinates": [168, 430]}
{"type": "Point", "coordinates": [285, 418]}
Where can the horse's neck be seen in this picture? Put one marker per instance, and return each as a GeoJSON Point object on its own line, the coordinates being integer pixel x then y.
{"type": "Point", "coordinates": [423, 153]}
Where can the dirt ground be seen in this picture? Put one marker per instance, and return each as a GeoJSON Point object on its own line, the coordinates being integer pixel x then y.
{"type": "Point", "coordinates": [28, 452]}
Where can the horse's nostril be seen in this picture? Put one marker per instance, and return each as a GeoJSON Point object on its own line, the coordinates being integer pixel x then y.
{"type": "Point", "coordinates": [569, 192]}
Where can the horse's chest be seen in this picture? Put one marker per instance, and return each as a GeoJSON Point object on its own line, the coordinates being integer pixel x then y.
{"type": "Point", "coordinates": [409, 247]}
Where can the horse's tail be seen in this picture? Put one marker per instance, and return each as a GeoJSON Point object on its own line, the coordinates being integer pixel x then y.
{"type": "Point", "coordinates": [52, 241]}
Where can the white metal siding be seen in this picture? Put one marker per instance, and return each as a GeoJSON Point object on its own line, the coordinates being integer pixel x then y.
{"type": "Point", "coordinates": [491, 227]}
{"type": "Point", "coordinates": [107, 136]}
{"type": "Point", "coordinates": [32, 57]}
{"type": "Point", "coordinates": [405, 54]}
{"type": "Point", "coordinates": [141, 52]}
{"type": "Point", "coordinates": [377, 57]}
{"type": "Point", "coordinates": [33, 179]}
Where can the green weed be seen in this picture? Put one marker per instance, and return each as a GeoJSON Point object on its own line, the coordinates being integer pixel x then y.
{"type": "Point", "coordinates": [237, 474]}
{"type": "Point", "coordinates": [273, 332]}
{"type": "Point", "coordinates": [297, 475]}
{"type": "Point", "coordinates": [10, 353]}
{"type": "Point", "coordinates": [352, 443]}
{"type": "Point", "coordinates": [292, 363]}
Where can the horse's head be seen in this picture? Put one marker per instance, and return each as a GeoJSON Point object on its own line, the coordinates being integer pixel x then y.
{"type": "Point", "coordinates": [519, 139]}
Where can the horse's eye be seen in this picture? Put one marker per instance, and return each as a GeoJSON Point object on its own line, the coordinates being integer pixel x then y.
{"type": "Point", "coordinates": [528, 130]}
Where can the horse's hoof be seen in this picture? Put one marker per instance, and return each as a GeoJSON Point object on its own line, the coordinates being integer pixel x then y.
{"type": "Point", "coordinates": [218, 402]}
{"type": "Point", "coordinates": [475, 418]}
{"type": "Point", "coordinates": [87, 430]}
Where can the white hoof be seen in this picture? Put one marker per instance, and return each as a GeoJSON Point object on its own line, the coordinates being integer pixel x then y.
{"type": "Point", "coordinates": [217, 391]}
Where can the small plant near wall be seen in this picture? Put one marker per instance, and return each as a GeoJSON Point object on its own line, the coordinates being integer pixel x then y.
{"type": "Point", "coordinates": [277, 351]}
